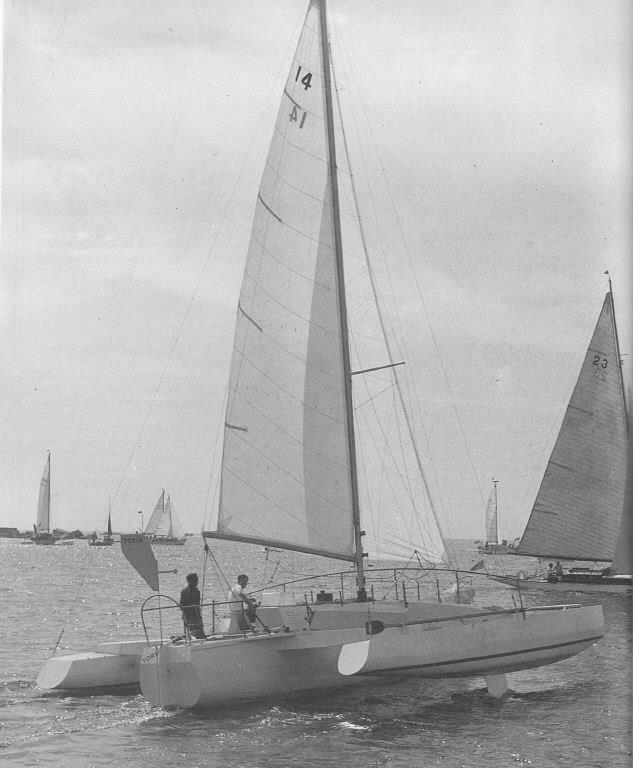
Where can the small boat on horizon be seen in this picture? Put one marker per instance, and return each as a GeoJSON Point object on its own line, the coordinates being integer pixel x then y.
{"type": "Point", "coordinates": [107, 540]}
{"type": "Point", "coordinates": [492, 545]}
{"type": "Point", "coordinates": [42, 528]}
{"type": "Point", "coordinates": [163, 526]}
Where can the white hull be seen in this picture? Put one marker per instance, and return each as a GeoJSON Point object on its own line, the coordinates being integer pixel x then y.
{"type": "Point", "coordinates": [115, 663]}
{"type": "Point", "coordinates": [442, 641]}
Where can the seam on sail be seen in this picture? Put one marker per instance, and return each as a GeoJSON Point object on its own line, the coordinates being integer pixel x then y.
{"type": "Point", "coordinates": [288, 474]}
{"type": "Point", "coordinates": [325, 287]}
{"type": "Point", "coordinates": [281, 429]}
{"type": "Point", "coordinates": [268, 252]}
{"type": "Point", "coordinates": [292, 354]}
{"type": "Point", "coordinates": [282, 509]}
{"type": "Point", "coordinates": [297, 147]}
{"type": "Point", "coordinates": [582, 410]}
{"type": "Point", "coordinates": [281, 178]}
{"type": "Point", "coordinates": [285, 349]}
{"type": "Point", "coordinates": [306, 320]}
{"type": "Point", "coordinates": [302, 234]}
{"type": "Point", "coordinates": [296, 398]}
{"type": "Point", "coordinates": [301, 107]}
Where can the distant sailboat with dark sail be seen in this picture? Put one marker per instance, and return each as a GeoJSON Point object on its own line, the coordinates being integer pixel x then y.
{"type": "Point", "coordinates": [108, 539]}
{"type": "Point", "coordinates": [582, 511]}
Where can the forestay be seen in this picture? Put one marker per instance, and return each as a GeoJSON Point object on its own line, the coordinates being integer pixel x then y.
{"type": "Point", "coordinates": [578, 508]}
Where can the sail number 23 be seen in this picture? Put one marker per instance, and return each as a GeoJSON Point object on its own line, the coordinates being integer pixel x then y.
{"type": "Point", "coordinates": [600, 362]}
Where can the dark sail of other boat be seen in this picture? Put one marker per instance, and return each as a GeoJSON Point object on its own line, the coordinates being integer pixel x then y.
{"type": "Point", "coordinates": [582, 511]}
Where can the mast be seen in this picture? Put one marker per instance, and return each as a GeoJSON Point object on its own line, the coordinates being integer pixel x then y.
{"type": "Point", "coordinates": [338, 252]}
{"type": "Point", "coordinates": [48, 497]}
{"type": "Point", "coordinates": [496, 529]}
{"type": "Point", "coordinates": [170, 532]}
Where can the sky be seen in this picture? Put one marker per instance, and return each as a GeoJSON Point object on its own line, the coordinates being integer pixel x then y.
{"type": "Point", "coordinates": [498, 137]}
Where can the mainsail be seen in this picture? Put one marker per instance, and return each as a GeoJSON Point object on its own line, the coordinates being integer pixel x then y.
{"type": "Point", "coordinates": [155, 524]}
{"type": "Point", "coordinates": [173, 528]}
{"type": "Point", "coordinates": [492, 532]}
{"type": "Point", "coordinates": [288, 474]}
{"type": "Point", "coordinates": [285, 467]}
{"type": "Point", "coordinates": [162, 522]}
{"type": "Point", "coordinates": [578, 507]}
{"type": "Point", "coordinates": [44, 501]}
{"type": "Point", "coordinates": [623, 558]}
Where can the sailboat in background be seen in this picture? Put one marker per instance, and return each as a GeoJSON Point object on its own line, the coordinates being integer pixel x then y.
{"type": "Point", "coordinates": [42, 528]}
{"type": "Point", "coordinates": [108, 539]}
{"type": "Point", "coordinates": [492, 545]}
{"type": "Point", "coordinates": [582, 509]}
{"type": "Point", "coordinates": [163, 528]}
{"type": "Point", "coordinates": [289, 477]}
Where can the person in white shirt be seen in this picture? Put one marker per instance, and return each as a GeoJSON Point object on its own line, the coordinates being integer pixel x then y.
{"type": "Point", "coordinates": [243, 608]}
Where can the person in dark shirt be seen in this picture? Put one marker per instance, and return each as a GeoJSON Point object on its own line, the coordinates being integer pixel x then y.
{"type": "Point", "coordinates": [192, 615]}
{"type": "Point", "coordinates": [551, 573]}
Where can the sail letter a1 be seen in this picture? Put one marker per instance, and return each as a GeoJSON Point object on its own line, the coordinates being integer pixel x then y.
{"type": "Point", "coordinates": [137, 550]}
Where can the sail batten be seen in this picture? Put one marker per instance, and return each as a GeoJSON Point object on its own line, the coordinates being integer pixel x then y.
{"type": "Point", "coordinates": [578, 508]}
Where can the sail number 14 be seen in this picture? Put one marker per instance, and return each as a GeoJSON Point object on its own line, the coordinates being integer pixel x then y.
{"type": "Point", "coordinates": [306, 81]}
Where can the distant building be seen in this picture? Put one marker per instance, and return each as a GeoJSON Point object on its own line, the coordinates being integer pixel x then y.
{"type": "Point", "coordinates": [9, 533]}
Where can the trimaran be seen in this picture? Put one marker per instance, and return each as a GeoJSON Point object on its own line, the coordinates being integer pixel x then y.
{"type": "Point", "coordinates": [289, 476]}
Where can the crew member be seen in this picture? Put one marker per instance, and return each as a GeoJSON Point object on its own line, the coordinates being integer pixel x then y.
{"type": "Point", "coordinates": [551, 573]}
{"type": "Point", "coordinates": [190, 606]}
{"type": "Point", "coordinates": [243, 607]}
